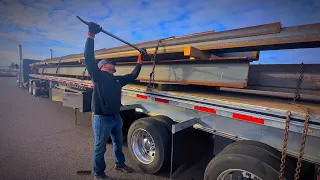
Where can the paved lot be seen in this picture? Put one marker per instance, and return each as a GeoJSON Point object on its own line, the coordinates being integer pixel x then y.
{"type": "Point", "coordinates": [39, 140]}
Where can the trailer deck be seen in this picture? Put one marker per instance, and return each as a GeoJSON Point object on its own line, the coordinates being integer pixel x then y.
{"type": "Point", "coordinates": [238, 99]}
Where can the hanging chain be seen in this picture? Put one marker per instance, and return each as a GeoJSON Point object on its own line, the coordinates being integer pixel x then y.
{"type": "Point", "coordinates": [303, 142]}
{"type": "Point", "coordinates": [45, 65]}
{"type": "Point", "coordinates": [58, 67]}
{"type": "Point", "coordinates": [153, 59]}
{"type": "Point", "coordinates": [284, 148]}
{"type": "Point", "coordinates": [304, 131]}
{"type": "Point", "coordinates": [83, 73]}
{"type": "Point", "coordinates": [297, 95]}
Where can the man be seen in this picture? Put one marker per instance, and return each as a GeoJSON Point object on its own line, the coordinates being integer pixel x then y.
{"type": "Point", "coordinates": [106, 102]}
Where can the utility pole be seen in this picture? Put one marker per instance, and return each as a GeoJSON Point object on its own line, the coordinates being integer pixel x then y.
{"type": "Point", "coordinates": [20, 66]}
{"type": "Point", "coordinates": [51, 53]}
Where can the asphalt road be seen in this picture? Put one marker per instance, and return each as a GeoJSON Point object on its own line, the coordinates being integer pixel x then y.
{"type": "Point", "coordinates": [39, 140]}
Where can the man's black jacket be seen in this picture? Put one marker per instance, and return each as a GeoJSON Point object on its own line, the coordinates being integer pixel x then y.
{"type": "Point", "coordinates": [106, 97]}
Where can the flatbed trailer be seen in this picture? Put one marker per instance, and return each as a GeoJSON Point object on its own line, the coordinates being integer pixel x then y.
{"type": "Point", "coordinates": [255, 130]}
{"type": "Point", "coordinates": [233, 116]}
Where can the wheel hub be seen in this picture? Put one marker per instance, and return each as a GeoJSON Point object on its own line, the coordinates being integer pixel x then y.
{"type": "Point", "coordinates": [143, 146]}
{"type": "Point", "coordinates": [237, 174]}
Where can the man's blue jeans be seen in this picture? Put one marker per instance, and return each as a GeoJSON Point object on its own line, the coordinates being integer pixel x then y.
{"type": "Point", "coordinates": [103, 127]}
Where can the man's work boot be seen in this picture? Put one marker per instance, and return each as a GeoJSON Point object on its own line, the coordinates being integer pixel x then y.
{"type": "Point", "coordinates": [125, 169]}
{"type": "Point", "coordinates": [102, 178]}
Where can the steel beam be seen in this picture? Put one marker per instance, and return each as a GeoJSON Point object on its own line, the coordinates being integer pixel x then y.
{"type": "Point", "coordinates": [264, 37]}
{"type": "Point", "coordinates": [252, 55]}
{"type": "Point", "coordinates": [195, 53]}
{"type": "Point", "coordinates": [209, 73]}
{"type": "Point", "coordinates": [285, 76]}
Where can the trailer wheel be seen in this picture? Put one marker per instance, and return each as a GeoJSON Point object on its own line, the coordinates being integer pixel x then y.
{"type": "Point", "coordinates": [35, 91]}
{"type": "Point", "coordinates": [238, 166]}
{"type": "Point", "coordinates": [49, 85]}
{"type": "Point", "coordinates": [149, 144]}
{"type": "Point", "coordinates": [245, 161]}
{"type": "Point", "coordinates": [270, 149]}
{"type": "Point", "coordinates": [30, 87]}
{"type": "Point", "coordinates": [168, 122]}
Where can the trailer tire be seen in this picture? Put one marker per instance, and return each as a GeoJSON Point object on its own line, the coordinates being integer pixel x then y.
{"type": "Point", "coordinates": [266, 147]}
{"type": "Point", "coordinates": [223, 164]}
{"type": "Point", "coordinates": [49, 85]}
{"type": "Point", "coordinates": [35, 92]}
{"type": "Point", "coordinates": [30, 87]}
{"type": "Point", "coordinates": [160, 155]}
{"type": "Point", "coordinates": [259, 154]}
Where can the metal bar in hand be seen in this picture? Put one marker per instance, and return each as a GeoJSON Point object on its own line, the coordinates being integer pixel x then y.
{"type": "Point", "coordinates": [106, 32]}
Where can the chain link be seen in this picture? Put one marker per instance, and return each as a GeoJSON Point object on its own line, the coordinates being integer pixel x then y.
{"type": "Point", "coordinates": [304, 132]}
{"type": "Point", "coordinates": [297, 94]}
{"type": "Point", "coordinates": [284, 148]}
{"type": "Point", "coordinates": [303, 142]}
{"type": "Point", "coordinates": [153, 59]}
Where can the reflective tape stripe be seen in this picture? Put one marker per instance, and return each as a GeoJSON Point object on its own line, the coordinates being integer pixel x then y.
{"type": "Point", "coordinates": [161, 100]}
{"type": "Point", "coordinates": [247, 118]}
{"type": "Point", "coordinates": [141, 96]}
{"type": "Point", "coordinates": [205, 109]}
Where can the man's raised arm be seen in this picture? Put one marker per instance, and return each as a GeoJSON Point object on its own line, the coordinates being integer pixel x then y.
{"type": "Point", "coordinates": [124, 80]}
{"type": "Point", "coordinates": [91, 63]}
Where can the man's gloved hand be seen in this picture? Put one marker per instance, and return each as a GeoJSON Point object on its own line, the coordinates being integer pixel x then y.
{"type": "Point", "coordinates": [94, 29]}
{"type": "Point", "coordinates": [139, 58]}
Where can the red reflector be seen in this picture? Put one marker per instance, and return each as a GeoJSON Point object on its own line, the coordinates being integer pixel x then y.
{"type": "Point", "coordinates": [205, 109]}
{"type": "Point", "coordinates": [42, 88]}
{"type": "Point", "coordinates": [91, 86]}
{"type": "Point", "coordinates": [248, 118]}
{"type": "Point", "coordinates": [161, 100]}
{"type": "Point", "coordinates": [71, 82]}
{"type": "Point", "coordinates": [37, 88]}
{"type": "Point", "coordinates": [76, 83]}
{"type": "Point", "coordinates": [85, 85]}
{"type": "Point", "coordinates": [142, 96]}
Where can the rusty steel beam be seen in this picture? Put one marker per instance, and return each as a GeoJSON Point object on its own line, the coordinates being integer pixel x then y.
{"type": "Point", "coordinates": [252, 55]}
{"type": "Point", "coordinates": [267, 38]}
{"type": "Point", "coordinates": [285, 76]}
{"type": "Point", "coordinates": [197, 37]}
{"type": "Point", "coordinates": [209, 73]}
{"type": "Point", "coordinates": [272, 93]}
{"type": "Point", "coordinates": [193, 52]}
{"type": "Point", "coordinates": [264, 29]}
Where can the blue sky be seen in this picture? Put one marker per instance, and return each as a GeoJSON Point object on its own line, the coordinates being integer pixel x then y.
{"type": "Point", "coordinates": [40, 25]}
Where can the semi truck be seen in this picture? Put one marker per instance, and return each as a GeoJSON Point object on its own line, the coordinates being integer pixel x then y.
{"type": "Point", "coordinates": [204, 93]}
